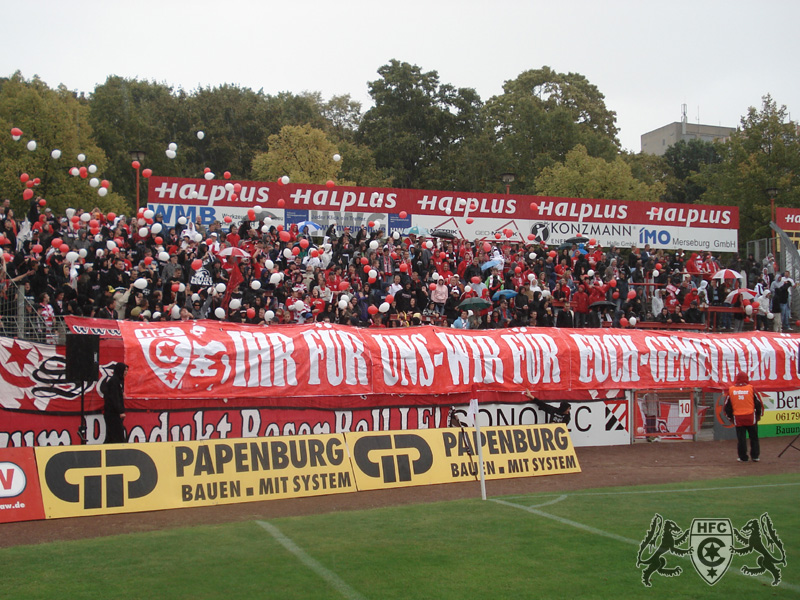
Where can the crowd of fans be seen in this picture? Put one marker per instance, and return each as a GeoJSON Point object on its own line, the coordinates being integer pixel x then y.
{"type": "Point", "coordinates": [86, 263]}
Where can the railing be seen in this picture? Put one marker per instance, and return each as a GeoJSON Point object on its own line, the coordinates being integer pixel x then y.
{"type": "Point", "coordinates": [20, 317]}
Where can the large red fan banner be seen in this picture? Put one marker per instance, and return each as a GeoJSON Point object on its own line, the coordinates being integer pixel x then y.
{"type": "Point", "coordinates": [208, 359]}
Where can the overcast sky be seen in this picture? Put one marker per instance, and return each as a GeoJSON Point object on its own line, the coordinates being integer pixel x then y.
{"type": "Point", "coordinates": [647, 57]}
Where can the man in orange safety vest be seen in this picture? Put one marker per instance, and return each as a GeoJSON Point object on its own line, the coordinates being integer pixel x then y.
{"type": "Point", "coordinates": [743, 406]}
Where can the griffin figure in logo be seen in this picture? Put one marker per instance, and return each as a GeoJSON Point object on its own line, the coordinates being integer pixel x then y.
{"type": "Point", "coordinates": [759, 536]}
{"type": "Point", "coordinates": [667, 536]}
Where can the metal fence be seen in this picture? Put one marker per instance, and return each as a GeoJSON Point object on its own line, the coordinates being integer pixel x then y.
{"type": "Point", "coordinates": [21, 318]}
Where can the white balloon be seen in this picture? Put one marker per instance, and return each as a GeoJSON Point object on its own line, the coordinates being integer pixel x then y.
{"type": "Point", "coordinates": [173, 146]}
{"type": "Point", "coordinates": [32, 145]}
{"type": "Point", "coordinates": [275, 278]}
{"type": "Point", "coordinates": [373, 273]}
{"type": "Point", "coordinates": [265, 229]}
{"type": "Point", "coordinates": [235, 304]}
{"type": "Point", "coordinates": [181, 287]}
{"type": "Point", "coordinates": [546, 294]}
{"type": "Point", "coordinates": [336, 158]}
{"type": "Point", "coordinates": [345, 297]}
{"type": "Point", "coordinates": [285, 180]}
{"type": "Point", "coordinates": [72, 257]}
{"type": "Point", "coordinates": [220, 312]}
{"type": "Point", "coordinates": [156, 228]}
{"type": "Point", "coordinates": [181, 220]}
{"type": "Point", "coordinates": [102, 191]}
{"type": "Point", "coordinates": [140, 284]}
{"type": "Point", "coordinates": [373, 245]}
{"type": "Point", "coordinates": [377, 224]}
{"type": "Point", "coordinates": [532, 255]}
{"type": "Point", "coordinates": [396, 235]}
{"type": "Point", "coordinates": [299, 305]}
{"type": "Point", "coordinates": [92, 169]}
{"type": "Point", "coordinates": [429, 244]}
{"type": "Point", "coordinates": [198, 237]}
{"type": "Point", "coordinates": [94, 182]}
{"type": "Point", "coordinates": [163, 256]}
{"type": "Point", "coordinates": [86, 217]}
{"type": "Point", "coordinates": [99, 252]}
{"type": "Point", "coordinates": [209, 176]}
{"type": "Point", "coordinates": [257, 210]}
{"type": "Point", "coordinates": [74, 171]}
{"type": "Point", "coordinates": [156, 315]}
{"type": "Point", "coordinates": [220, 287]}
{"type": "Point", "coordinates": [81, 157]}
{"type": "Point", "coordinates": [435, 276]}
{"type": "Point", "coordinates": [384, 307]}
{"type": "Point", "coordinates": [99, 238]}
{"type": "Point", "coordinates": [342, 304]}
{"type": "Point", "coordinates": [531, 276]}
{"type": "Point", "coordinates": [193, 195]}
{"type": "Point", "coordinates": [287, 253]}
{"type": "Point", "coordinates": [111, 244]}
{"type": "Point", "coordinates": [200, 135]}
{"type": "Point", "coordinates": [269, 265]}
{"type": "Point", "coordinates": [196, 298]}
{"type": "Point", "coordinates": [175, 313]}
{"type": "Point", "coordinates": [229, 187]}
{"type": "Point", "coordinates": [255, 284]}
{"type": "Point", "coordinates": [267, 219]}
{"type": "Point", "coordinates": [590, 273]}
{"type": "Point", "coordinates": [82, 253]}
{"type": "Point", "coordinates": [770, 316]}
{"type": "Point", "coordinates": [748, 310]}
{"type": "Point", "coordinates": [171, 153]}
{"type": "Point", "coordinates": [143, 232]}
{"type": "Point", "coordinates": [632, 321]}
{"type": "Point", "coordinates": [269, 315]}
{"type": "Point", "coordinates": [56, 154]}
{"type": "Point", "coordinates": [149, 214]}
{"type": "Point", "coordinates": [15, 137]}
{"type": "Point", "coordinates": [655, 273]}
{"type": "Point", "coordinates": [70, 212]}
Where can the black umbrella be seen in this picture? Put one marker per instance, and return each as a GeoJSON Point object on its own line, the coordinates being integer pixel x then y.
{"type": "Point", "coordinates": [440, 233]}
{"type": "Point", "coordinates": [576, 240]}
{"type": "Point", "coordinates": [603, 304]}
{"type": "Point", "coordinates": [474, 303]}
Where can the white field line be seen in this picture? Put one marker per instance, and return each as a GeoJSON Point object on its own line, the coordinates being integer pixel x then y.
{"type": "Point", "coordinates": [619, 538]}
{"type": "Point", "coordinates": [329, 576]}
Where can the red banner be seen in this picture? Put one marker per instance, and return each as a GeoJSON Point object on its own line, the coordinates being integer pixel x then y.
{"type": "Point", "coordinates": [20, 494]}
{"type": "Point", "coordinates": [194, 360]}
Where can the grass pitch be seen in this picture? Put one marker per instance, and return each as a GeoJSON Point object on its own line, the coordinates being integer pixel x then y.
{"type": "Point", "coordinates": [576, 545]}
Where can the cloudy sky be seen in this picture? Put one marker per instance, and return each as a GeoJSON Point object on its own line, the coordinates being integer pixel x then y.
{"type": "Point", "coordinates": [647, 57]}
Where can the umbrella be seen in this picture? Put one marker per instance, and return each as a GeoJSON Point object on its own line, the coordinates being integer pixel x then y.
{"type": "Point", "coordinates": [415, 230]}
{"type": "Point", "coordinates": [503, 294]}
{"type": "Point", "coordinates": [474, 303]}
{"type": "Point", "coordinates": [726, 274]}
{"type": "Point", "coordinates": [745, 293]}
{"type": "Point", "coordinates": [576, 240]}
{"type": "Point", "coordinates": [310, 224]}
{"type": "Point", "coordinates": [234, 251]}
{"type": "Point", "coordinates": [489, 264]}
{"type": "Point", "coordinates": [603, 304]}
{"type": "Point", "coordinates": [440, 233]}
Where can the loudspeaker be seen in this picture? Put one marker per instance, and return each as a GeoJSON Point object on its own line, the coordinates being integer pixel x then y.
{"type": "Point", "coordinates": [83, 358]}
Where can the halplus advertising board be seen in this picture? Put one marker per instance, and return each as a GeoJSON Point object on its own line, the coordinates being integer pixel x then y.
{"type": "Point", "coordinates": [519, 218]}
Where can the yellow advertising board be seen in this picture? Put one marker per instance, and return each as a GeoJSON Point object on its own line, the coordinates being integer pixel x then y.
{"type": "Point", "coordinates": [95, 480]}
{"type": "Point", "coordinates": [391, 459]}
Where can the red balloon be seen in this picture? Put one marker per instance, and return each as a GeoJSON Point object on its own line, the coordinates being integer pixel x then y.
{"type": "Point", "coordinates": [16, 131]}
{"type": "Point", "coordinates": [797, 322]}
{"type": "Point", "coordinates": [314, 253]}
{"type": "Point", "coordinates": [658, 266]}
{"type": "Point", "coordinates": [631, 295]}
{"type": "Point", "coordinates": [237, 187]}
{"type": "Point", "coordinates": [207, 170]}
{"type": "Point", "coordinates": [148, 260]}
{"type": "Point", "coordinates": [372, 279]}
{"type": "Point", "coordinates": [552, 254]}
{"type": "Point", "coordinates": [403, 267]}
{"type": "Point", "coordinates": [592, 242]}
{"type": "Point", "coordinates": [534, 206]}
{"type": "Point", "coordinates": [280, 180]}
{"type": "Point", "coordinates": [251, 313]}
{"type": "Point", "coordinates": [531, 237]}
{"type": "Point", "coordinates": [487, 246]}
{"type": "Point", "coordinates": [613, 283]}
{"type": "Point", "coordinates": [432, 286]}
{"type": "Point", "coordinates": [508, 232]}
{"type": "Point", "coordinates": [94, 223]}
{"type": "Point", "coordinates": [228, 219]}
{"type": "Point", "coordinates": [281, 203]}
{"type": "Point", "coordinates": [623, 322]}
{"type": "Point", "coordinates": [24, 177]}
{"type": "Point", "coordinates": [367, 268]}
{"type": "Point", "coordinates": [394, 255]}
{"type": "Point", "coordinates": [371, 224]}
{"type": "Point", "coordinates": [330, 183]}
{"type": "Point", "coordinates": [470, 220]}
{"type": "Point", "coordinates": [497, 235]}
{"type": "Point", "coordinates": [42, 202]}
{"type": "Point", "coordinates": [364, 260]}
{"type": "Point", "coordinates": [373, 310]}
{"type": "Point", "coordinates": [304, 243]}
{"type": "Point", "coordinates": [95, 230]}
{"type": "Point", "coordinates": [476, 279]}
{"type": "Point", "coordinates": [344, 285]}
{"type": "Point", "coordinates": [615, 295]}
{"type": "Point", "coordinates": [37, 249]}
{"type": "Point", "coordinates": [251, 214]}
{"type": "Point", "coordinates": [389, 299]}
{"type": "Point", "coordinates": [111, 216]}
{"type": "Point", "coordinates": [56, 242]}
{"type": "Point", "coordinates": [284, 236]}
{"type": "Point", "coordinates": [197, 264]}
{"type": "Point", "coordinates": [296, 250]}
{"type": "Point", "coordinates": [755, 305]}
{"type": "Point", "coordinates": [8, 258]}
{"type": "Point", "coordinates": [403, 214]}
{"type": "Point", "coordinates": [158, 241]}
{"type": "Point", "coordinates": [27, 194]}
{"type": "Point", "coordinates": [42, 218]}
{"type": "Point", "coordinates": [63, 248]}
{"type": "Point", "coordinates": [442, 255]}
{"type": "Point", "coordinates": [209, 241]}
{"type": "Point", "coordinates": [36, 181]}
{"type": "Point", "coordinates": [279, 228]}
{"type": "Point", "coordinates": [145, 173]}
{"type": "Point", "coordinates": [3, 240]}
{"type": "Point", "coordinates": [135, 164]}
{"type": "Point", "coordinates": [83, 171]}
{"type": "Point", "coordinates": [175, 287]}
{"type": "Point", "coordinates": [227, 174]}
{"type": "Point", "coordinates": [30, 183]}
{"type": "Point", "coordinates": [517, 270]}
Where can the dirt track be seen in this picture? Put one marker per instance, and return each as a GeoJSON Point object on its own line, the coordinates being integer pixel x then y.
{"type": "Point", "coordinates": [609, 466]}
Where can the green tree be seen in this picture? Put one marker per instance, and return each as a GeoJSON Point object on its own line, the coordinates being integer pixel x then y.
{"type": "Point", "coordinates": [55, 119]}
{"type": "Point", "coordinates": [414, 122]}
{"type": "Point", "coordinates": [303, 153]}
{"type": "Point", "coordinates": [542, 115]}
{"type": "Point", "coordinates": [763, 153]}
{"type": "Point", "coordinates": [584, 176]}
{"type": "Point", "coordinates": [685, 160]}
